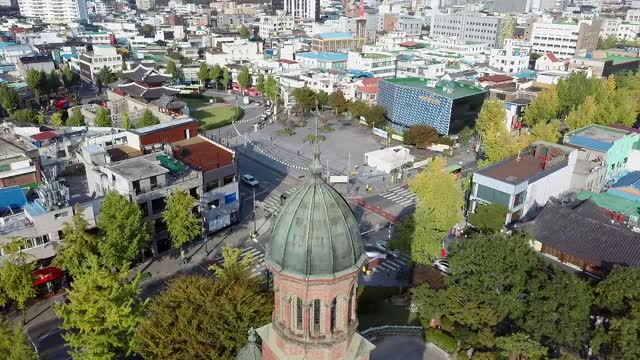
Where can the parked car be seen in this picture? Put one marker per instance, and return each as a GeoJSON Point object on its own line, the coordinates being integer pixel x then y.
{"type": "Point", "coordinates": [382, 245]}
{"type": "Point", "coordinates": [249, 180]}
{"type": "Point", "coordinates": [442, 265]}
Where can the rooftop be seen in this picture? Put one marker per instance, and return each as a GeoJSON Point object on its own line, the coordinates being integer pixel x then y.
{"type": "Point", "coordinates": [612, 202]}
{"type": "Point", "coordinates": [335, 36]}
{"type": "Point", "coordinates": [540, 157]}
{"type": "Point", "coordinates": [324, 56]}
{"type": "Point", "coordinates": [595, 137]}
{"type": "Point", "coordinates": [138, 168]}
{"type": "Point", "coordinates": [375, 55]}
{"type": "Point", "coordinates": [163, 126]}
{"type": "Point", "coordinates": [202, 154]}
{"type": "Point", "coordinates": [457, 89]}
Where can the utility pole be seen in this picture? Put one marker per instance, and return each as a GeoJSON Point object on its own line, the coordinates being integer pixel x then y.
{"type": "Point", "coordinates": [349, 166]}
{"type": "Point", "coordinates": [254, 214]}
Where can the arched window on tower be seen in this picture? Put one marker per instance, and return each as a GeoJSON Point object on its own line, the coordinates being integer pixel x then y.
{"type": "Point", "coordinates": [350, 308]}
{"type": "Point", "coordinates": [334, 304]}
{"type": "Point", "coordinates": [298, 314]}
{"type": "Point", "coordinates": [316, 315]}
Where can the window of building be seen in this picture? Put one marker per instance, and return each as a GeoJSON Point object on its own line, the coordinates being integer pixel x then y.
{"type": "Point", "coordinates": [213, 204]}
{"type": "Point", "coordinates": [350, 306]}
{"type": "Point", "coordinates": [298, 314]}
{"type": "Point", "coordinates": [228, 179]}
{"type": "Point", "coordinates": [136, 185]}
{"type": "Point", "coordinates": [61, 215]}
{"type": "Point", "coordinates": [316, 315]}
{"type": "Point", "coordinates": [143, 207]}
{"type": "Point", "coordinates": [154, 181]}
{"type": "Point", "coordinates": [212, 185]}
{"type": "Point", "coordinates": [519, 198]}
{"type": "Point", "coordinates": [194, 192]}
{"type": "Point", "coordinates": [158, 205]}
{"type": "Point", "coordinates": [492, 195]}
{"type": "Point", "coordinates": [334, 304]}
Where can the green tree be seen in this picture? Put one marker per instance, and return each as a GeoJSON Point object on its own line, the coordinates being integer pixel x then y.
{"type": "Point", "coordinates": [547, 131]}
{"type": "Point", "coordinates": [376, 116]}
{"type": "Point", "coordinates": [78, 246]}
{"type": "Point", "coordinates": [35, 82]}
{"type": "Point", "coordinates": [172, 70]}
{"type": "Point", "coordinates": [543, 108]}
{"type": "Point", "coordinates": [521, 347]}
{"type": "Point", "coordinates": [23, 115]}
{"type": "Point", "coordinates": [40, 118]}
{"type": "Point", "coordinates": [583, 115]}
{"type": "Point", "coordinates": [619, 296]}
{"type": "Point", "coordinates": [226, 79]}
{"type": "Point", "coordinates": [244, 32]}
{"type": "Point", "coordinates": [439, 209]}
{"type": "Point", "coordinates": [76, 118]}
{"type": "Point", "coordinates": [56, 119]}
{"type": "Point", "coordinates": [14, 344]}
{"type": "Point", "coordinates": [148, 30]}
{"type": "Point", "coordinates": [323, 98]}
{"type": "Point", "coordinates": [16, 279]}
{"type": "Point", "coordinates": [103, 312]}
{"type": "Point", "coordinates": [421, 135]}
{"type": "Point", "coordinates": [102, 118]}
{"type": "Point", "coordinates": [105, 76]}
{"type": "Point", "coordinates": [182, 225]}
{"type": "Point", "coordinates": [507, 28]}
{"type": "Point", "coordinates": [574, 90]}
{"type": "Point", "coordinates": [244, 78]}
{"type": "Point", "coordinates": [202, 318]}
{"type": "Point", "coordinates": [338, 102]}
{"type": "Point", "coordinates": [203, 74]}
{"type": "Point", "coordinates": [305, 99]}
{"type": "Point", "coordinates": [497, 143]}
{"type": "Point", "coordinates": [609, 42]}
{"type": "Point", "coordinates": [53, 81]}
{"type": "Point", "coordinates": [214, 74]}
{"type": "Point", "coordinates": [125, 233]}
{"type": "Point", "coordinates": [68, 76]}
{"type": "Point", "coordinates": [260, 83]}
{"type": "Point", "coordinates": [147, 119]}
{"type": "Point", "coordinates": [357, 108]}
{"type": "Point", "coordinates": [271, 89]}
{"type": "Point", "coordinates": [489, 218]}
{"type": "Point", "coordinates": [126, 121]}
{"type": "Point", "coordinates": [9, 98]}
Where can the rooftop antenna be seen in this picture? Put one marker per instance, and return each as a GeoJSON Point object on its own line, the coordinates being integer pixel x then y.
{"type": "Point", "coordinates": [316, 165]}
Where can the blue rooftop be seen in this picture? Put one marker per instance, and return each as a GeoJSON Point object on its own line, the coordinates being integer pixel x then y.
{"type": "Point", "coordinates": [596, 137]}
{"type": "Point", "coordinates": [324, 56]}
{"type": "Point", "coordinates": [630, 180]}
{"type": "Point", "coordinates": [336, 36]}
{"type": "Point", "coordinates": [35, 208]}
{"type": "Point", "coordinates": [12, 198]}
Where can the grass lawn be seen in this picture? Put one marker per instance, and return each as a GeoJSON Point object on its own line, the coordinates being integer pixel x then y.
{"type": "Point", "coordinates": [196, 100]}
{"type": "Point", "coordinates": [215, 117]}
{"type": "Point", "coordinates": [375, 308]}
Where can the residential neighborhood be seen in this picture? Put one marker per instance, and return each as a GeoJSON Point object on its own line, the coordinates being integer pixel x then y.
{"type": "Point", "coordinates": [319, 179]}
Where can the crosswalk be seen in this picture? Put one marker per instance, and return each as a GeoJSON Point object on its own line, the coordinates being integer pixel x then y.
{"type": "Point", "coordinates": [258, 257]}
{"type": "Point", "coordinates": [272, 203]}
{"type": "Point", "coordinates": [393, 264]}
{"type": "Point", "coordinates": [400, 195]}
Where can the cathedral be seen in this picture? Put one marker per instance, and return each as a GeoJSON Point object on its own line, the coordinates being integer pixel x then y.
{"type": "Point", "coordinates": [314, 253]}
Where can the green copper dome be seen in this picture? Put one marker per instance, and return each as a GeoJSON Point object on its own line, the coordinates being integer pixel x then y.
{"type": "Point", "coordinates": [315, 234]}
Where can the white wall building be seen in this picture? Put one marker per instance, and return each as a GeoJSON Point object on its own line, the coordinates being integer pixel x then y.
{"type": "Point", "coordinates": [303, 9]}
{"type": "Point", "coordinates": [564, 39]}
{"type": "Point", "coordinates": [238, 50]}
{"type": "Point", "coordinates": [467, 27]}
{"type": "Point", "coordinates": [512, 58]}
{"type": "Point", "coordinates": [623, 30]}
{"type": "Point", "coordinates": [146, 4]}
{"type": "Point", "coordinates": [54, 11]}
{"type": "Point", "coordinates": [275, 24]}
{"type": "Point", "coordinates": [89, 64]}
{"type": "Point", "coordinates": [381, 65]}
{"type": "Point", "coordinates": [633, 15]}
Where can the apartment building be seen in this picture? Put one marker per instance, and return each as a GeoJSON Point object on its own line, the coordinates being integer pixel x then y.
{"type": "Point", "coordinates": [53, 11]}
{"type": "Point", "coordinates": [562, 39]}
{"type": "Point", "coordinates": [467, 27]}
{"type": "Point", "coordinates": [145, 5]}
{"type": "Point", "coordinates": [303, 9]}
{"type": "Point", "coordinates": [323, 60]}
{"type": "Point", "coordinates": [382, 65]}
{"type": "Point", "coordinates": [335, 42]}
{"type": "Point", "coordinates": [39, 62]}
{"type": "Point", "coordinates": [275, 24]}
{"type": "Point", "coordinates": [89, 64]}
{"type": "Point", "coordinates": [621, 29]}
{"type": "Point", "coordinates": [409, 25]}
{"type": "Point", "coordinates": [411, 66]}
{"type": "Point", "coordinates": [512, 58]}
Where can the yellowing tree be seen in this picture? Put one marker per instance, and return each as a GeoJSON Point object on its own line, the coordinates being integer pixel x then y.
{"type": "Point", "coordinates": [583, 115]}
{"type": "Point", "coordinates": [547, 131]}
{"type": "Point", "coordinates": [543, 108]}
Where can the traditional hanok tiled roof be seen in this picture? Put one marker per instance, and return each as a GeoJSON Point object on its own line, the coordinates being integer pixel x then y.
{"type": "Point", "coordinates": [146, 75]}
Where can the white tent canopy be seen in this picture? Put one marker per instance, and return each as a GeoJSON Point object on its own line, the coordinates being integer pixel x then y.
{"type": "Point", "coordinates": [388, 159]}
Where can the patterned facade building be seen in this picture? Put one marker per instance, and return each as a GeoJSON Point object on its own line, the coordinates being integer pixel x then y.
{"type": "Point", "coordinates": [447, 106]}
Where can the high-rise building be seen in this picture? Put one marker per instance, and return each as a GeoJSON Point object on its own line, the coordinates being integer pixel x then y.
{"type": "Point", "coordinates": [562, 39]}
{"type": "Point", "coordinates": [303, 9]}
{"type": "Point", "coordinates": [54, 11]}
{"type": "Point", "coordinates": [517, 6]}
{"type": "Point", "coordinates": [103, 7]}
{"type": "Point", "coordinates": [467, 27]}
{"type": "Point", "coordinates": [145, 4]}
{"type": "Point", "coordinates": [314, 254]}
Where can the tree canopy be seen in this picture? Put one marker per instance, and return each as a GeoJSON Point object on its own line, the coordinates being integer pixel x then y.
{"type": "Point", "coordinates": [102, 118]}
{"type": "Point", "coordinates": [338, 102]}
{"type": "Point", "coordinates": [9, 98]}
{"type": "Point", "coordinates": [172, 69]}
{"type": "Point", "coordinates": [421, 135]}
{"type": "Point", "coordinates": [489, 218]}
{"type": "Point", "coordinates": [76, 118]}
{"type": "Point", "coordinates": [14, 344]}
{"type": "Point", "coordinates": [36, 81]}
{"type": "Point", "coordinates": [147, 119]}
{"type": "Point", "coordinates": [78, 245]}
{"type": "Point", "coordinates": [102, 313]}
{"type": "Point", "coordinates": [125, 233]}
{"type": "Point", "coordinates": [497, 143]}
{"type": "Point", "coordinates": [106, 77]}
{"type": "Point", "coordinates": [305, 99]}
{"type": "Point", "coordinates": [182, 224]}
{"type": "Point", "coordinates": [543, 108]}
{"type": "Point", "coordinates": [244, 78]}
{"type": "Point", "coordinates": [203, 73]}
{"type": "Point", "coordinates": [244, 32]}
{"type": "Point", "coordinates": [16, 279]}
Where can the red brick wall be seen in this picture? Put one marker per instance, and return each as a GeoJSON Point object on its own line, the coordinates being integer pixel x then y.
{"type": "Point", "coordinates": [20, 180]}
{"type": "Point", "coordinates": [169, 135]}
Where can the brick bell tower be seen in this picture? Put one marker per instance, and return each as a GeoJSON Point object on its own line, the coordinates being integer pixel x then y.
{"type": "Point", "coordinates": [315, 253]}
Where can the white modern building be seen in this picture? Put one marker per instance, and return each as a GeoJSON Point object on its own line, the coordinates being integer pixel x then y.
{"type": "Point", "coordinates": [512, 58]}
{"type": "Point", "coordinates": [303, 9]}
{"type": "Point", "coordinates": [467, 27]}
{"type": "Point", "coordinates": [563, 39]}
{"type": "Point", "coordinates": [275, 24]}
{"type": "Point", "coordinates": [54, 11]}
{"type": "Point", "coordinates": [623, 30]}
{"type": "Point", "coordinates": [238, 50]}
{"type": "Point", "coordinates": [382, 65]}
{"type": "Point", "coordinates": [146, 5]}
{"type": "Point", "coordinates": [103, 7]}
{"type": "Point", "coordinates": [89, 64]}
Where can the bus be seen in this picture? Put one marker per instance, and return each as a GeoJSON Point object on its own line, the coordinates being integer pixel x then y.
{"type": "Point", "coordinates": [455, 170]}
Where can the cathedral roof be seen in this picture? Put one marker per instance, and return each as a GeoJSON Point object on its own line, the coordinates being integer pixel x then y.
{"type": "Point", "coordinates": [251, 351]}
{"type": "Point", "coordinates": [315, 234]}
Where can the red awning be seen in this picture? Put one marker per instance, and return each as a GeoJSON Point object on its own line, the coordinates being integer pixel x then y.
{"type": "Point", "coordinates": [43, 276]}
{"type": "Point", "coordinates": [45, 135]}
